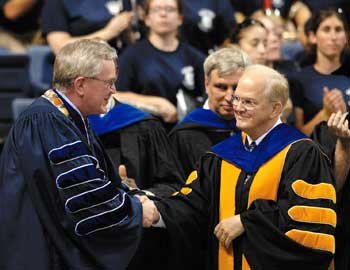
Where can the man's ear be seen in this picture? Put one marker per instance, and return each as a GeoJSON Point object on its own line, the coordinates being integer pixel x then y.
{"type": "Point", "coordinates": [276, 109]}
{"type": "Point", "coordinates": [206, 83]}
{"type": "Point", "coordinates": [79, 85]}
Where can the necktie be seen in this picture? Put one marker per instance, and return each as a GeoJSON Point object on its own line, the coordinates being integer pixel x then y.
{"type": "Point", "coordinates": [251, 146]}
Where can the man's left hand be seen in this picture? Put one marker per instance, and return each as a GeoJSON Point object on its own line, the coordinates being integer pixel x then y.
{"type": "Point", "coordinates": [228, 230]}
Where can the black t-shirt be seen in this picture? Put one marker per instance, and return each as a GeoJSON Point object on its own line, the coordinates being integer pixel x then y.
{"type": "Point", "coordinates": [306, 89]}
{"type": "Point", "coordinates": [207, 23]}
{"type": "Point", "coordinates": [146, 70]}
{"type": "Point", "coordinates": [81, 17]}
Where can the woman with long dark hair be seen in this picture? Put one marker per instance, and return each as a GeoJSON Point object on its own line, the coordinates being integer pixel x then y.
{"type": "Point", "coordinates": [316, 92]}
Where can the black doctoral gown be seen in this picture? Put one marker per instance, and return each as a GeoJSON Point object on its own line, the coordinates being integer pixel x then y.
{"type": "Point", "coordinates": [62, 203]}
{"type": "Point", "coordinates": [284, 193]}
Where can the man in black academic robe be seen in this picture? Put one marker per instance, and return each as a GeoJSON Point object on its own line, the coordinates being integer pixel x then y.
{"type": "Point", "coordinates": [63, 205]}
{"type": "Point", "coordinates": [205, 127]}
{"type": "Point", "coordinates": [271, 206]}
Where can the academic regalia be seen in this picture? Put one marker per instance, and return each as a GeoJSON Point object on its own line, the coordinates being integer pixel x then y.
{"type": "Point", "coordinates": [327, 141]}
{"type": "Point", "coordinates": [196, 133]}
{"type": "Point", "coordinates": [62, 203]}
{"type": "Point", "coordinates": [286, 206]}
{"type": "Point", "coordinates": [138, 140]}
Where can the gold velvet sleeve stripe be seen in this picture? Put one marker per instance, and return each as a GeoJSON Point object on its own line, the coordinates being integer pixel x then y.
{"type": "Point", "coordinates": [186, 190]}
{"type": "Point", "coordinates": [318, 191]}
{"type": "Point", "coordinates": [193, 176]}
{"type": "Point", "coordinates": [228, 182]}
{"type": "Point", "coordinates": [313, 240]}
{"type": "Point", "coordinates": [311, 214]}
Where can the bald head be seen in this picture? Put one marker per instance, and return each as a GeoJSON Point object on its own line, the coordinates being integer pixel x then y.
{"type": "Point", "coordinates": [258, 101]}
{"type": "Point", "coordinates": [274, 85]}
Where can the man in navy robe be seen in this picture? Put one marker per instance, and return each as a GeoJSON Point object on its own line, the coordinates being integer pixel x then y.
{"type": "Point", "coordinates": [63, 205]}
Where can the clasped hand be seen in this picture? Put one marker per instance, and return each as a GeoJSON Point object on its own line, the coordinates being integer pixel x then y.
{"type": "Point", "coordinates": [150, 214]}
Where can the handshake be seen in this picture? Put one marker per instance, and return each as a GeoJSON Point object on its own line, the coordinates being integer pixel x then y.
{"type": "Point", "coordinates": [150, 214]}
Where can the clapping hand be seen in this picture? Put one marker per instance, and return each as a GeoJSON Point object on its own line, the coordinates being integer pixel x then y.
{"type": "Point", "coordinates": [333, 101]}
{"type": "Point", "coordinates": [339, 126]}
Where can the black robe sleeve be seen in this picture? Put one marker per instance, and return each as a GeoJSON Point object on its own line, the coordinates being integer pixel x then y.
{"type": "Point", "coordinates": [186, 215]}
{"type": "Point", "coordinates": [61, 208]}
{"type": "Point", "coordinates": [267, 223]}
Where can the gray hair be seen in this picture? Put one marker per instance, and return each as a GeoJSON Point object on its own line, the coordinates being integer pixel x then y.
{"type": "Point", "coordinates": [225, 61]}
{"type": "Point", "coordinates": [277, 88]}
{"type": "Point", "coordinates": [81, 58]}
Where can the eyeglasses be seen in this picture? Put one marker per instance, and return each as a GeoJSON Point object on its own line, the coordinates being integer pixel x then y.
{"type": "Point", "coordinates": [108, 83]}
{"type": "Point", "coordinates": [166, 9]}
{"type": "Point", "coordinates": [247, 103]}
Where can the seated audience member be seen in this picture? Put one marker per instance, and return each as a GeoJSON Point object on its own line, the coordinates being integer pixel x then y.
{"type": "Point", "coordinates": [250, 200]}
{"type": "Point", "coordinates": [63, 205]}
{"type": "Point", "coordinates": [207, 23]}
{"type": "Point", "coordinates": [251, 37]}
{"type": "Point", "coordinates": [138, 141]}
{"type": "Point", "coordinates": [204, 127]}
{"type": "Point", "coordinates": [334, 138]}
{"type": "Point", "coordinates": [160, 73]}
{"type": "Point", "coordinates": [274, 44]}
{"type": "Point", "coordinates": [19, 24]}
{"type": "Point", "coordinates": [315, 91]}
{"type": "Point", "coordinates": [65, 21]}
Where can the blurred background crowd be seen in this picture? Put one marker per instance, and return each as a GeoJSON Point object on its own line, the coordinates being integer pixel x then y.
{"type": "Point", "coordinates": [161, 54]}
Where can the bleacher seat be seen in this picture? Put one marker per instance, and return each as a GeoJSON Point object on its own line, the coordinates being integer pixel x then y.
{"type": "Point", "coordinates": [40, 68]}
{"type": "Point", "coordinates": [14, 83]}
